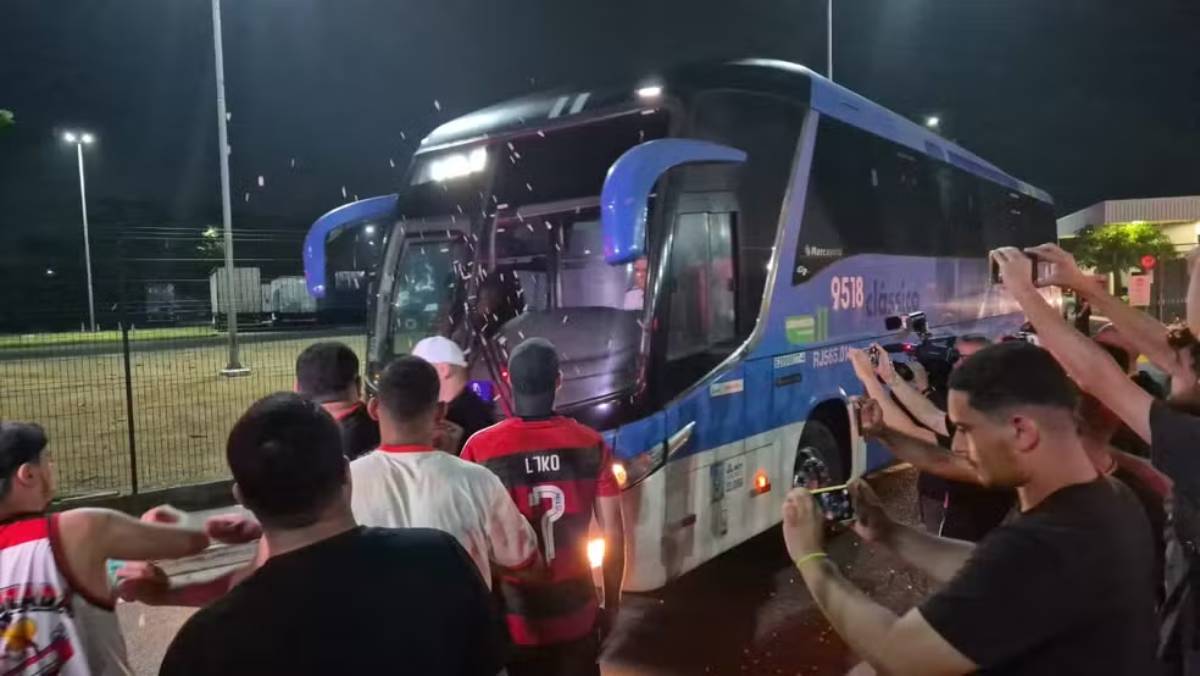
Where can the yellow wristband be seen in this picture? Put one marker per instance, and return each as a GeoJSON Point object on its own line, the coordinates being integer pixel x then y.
{"type": "Point", "coordinates": [810, 557]}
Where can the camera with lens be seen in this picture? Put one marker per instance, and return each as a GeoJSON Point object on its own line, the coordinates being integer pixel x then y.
{"type": "Point", "coordinates": [936, 355]}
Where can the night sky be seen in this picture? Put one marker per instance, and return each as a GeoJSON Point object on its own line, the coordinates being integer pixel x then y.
{"type": "Point", "coordinates": [1089, 99]}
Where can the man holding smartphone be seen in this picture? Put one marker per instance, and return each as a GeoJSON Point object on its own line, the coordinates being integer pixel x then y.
{"type": "Point", "coordinates": [1031, 597]}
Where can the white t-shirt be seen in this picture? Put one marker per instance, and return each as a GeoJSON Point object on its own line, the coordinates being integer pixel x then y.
{"type": "Point", "coordinates": [418, 487]}
{"type": "Point", "coordinates": [51, 625]}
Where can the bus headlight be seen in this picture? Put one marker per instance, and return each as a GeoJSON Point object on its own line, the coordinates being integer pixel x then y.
{"type": "Point", "coordinates": [620, 474]}
{"type": "Point", "coordinates": [595, 552]}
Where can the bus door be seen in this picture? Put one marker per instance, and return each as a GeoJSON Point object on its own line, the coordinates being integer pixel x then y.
{"type": "Point", "coordinates": [698, 301]}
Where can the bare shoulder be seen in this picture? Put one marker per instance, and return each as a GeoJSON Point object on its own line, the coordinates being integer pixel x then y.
{"type": "Point", "coordinates": [86, 521]}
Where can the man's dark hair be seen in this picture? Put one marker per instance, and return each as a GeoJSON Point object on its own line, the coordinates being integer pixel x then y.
{"type": "Point", "coordinates": [1014, 373]}
{"type": "Point", "coordinates": [20, 443]}
{"type": "Point", "coordinates": [285, 454]}
{"type": "Point", "coordinates": [408, 388]}
{"type": "Point", "coordinates": [324, 371]}
{"type": "Point", "coordinates": [1119, 355]}
{"type": "Point", "coordinates": [533, 370]}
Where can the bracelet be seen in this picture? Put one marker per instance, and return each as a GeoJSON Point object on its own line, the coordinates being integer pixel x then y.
{"type": "Point", "coordinates": [810, 557]}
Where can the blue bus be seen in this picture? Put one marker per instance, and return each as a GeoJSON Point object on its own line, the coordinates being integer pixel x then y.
{"type": "Point", "coordinates": [703, 247]}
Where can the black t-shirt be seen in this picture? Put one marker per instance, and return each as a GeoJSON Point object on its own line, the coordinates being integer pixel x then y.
{"type": "Point", "coordinates": [1066, 588]}
{"type": "Point", "coordinates": [973, 511]}
{"type": "Point", "coordinates": [367, 601]}
{"type": "Point", "coordinates": [1156, 514]}
{"type": "Point", "coordinates": [1175, 450]}
{"type": "Point", "coordinates": [471, 413]}
{"type": "Point", "coordinates": [360, 433]}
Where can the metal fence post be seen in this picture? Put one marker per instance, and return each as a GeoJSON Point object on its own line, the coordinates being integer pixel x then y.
{"type": "Point", "coordinates": [133, 467]}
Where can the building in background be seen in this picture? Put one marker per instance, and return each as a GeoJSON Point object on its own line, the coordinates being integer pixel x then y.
{"type": "Point", "coordinates": [1177, 217]}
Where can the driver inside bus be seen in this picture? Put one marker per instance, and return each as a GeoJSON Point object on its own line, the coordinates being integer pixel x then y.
{"type": "Point", "coordinates": [499, 300]}
{"type": "Point", "coordinates": [635, 297]}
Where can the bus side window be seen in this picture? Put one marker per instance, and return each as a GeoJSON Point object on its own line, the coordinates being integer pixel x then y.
{"type": "Point", "coordinates": [702, 324]}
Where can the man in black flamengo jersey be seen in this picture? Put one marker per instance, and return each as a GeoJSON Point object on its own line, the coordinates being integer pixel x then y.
{"type": "Point", "coordinates": [327, 373]}
{"type": "Point", "coordinates": [559, 474]}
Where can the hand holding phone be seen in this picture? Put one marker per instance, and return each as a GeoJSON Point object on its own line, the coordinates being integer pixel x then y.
{"type": "Point", "coordinates": [998, 279]}
{"type": "Point", "coordinates": [835, 502]}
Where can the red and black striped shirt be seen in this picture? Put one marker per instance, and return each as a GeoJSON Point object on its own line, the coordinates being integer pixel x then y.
{"type": "Point", "coordinates": [554, 469]}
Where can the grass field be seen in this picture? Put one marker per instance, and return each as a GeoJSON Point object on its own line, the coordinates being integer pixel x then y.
{"type": "Point", "coordinates": [183, 409]}
{"type": "Point", "coordinates": [91, 338]}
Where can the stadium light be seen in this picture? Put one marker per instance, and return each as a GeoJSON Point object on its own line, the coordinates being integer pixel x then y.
{"type": "Point", "coordinates": [933, 122]}
{"type": "Point", "coordinates": [79, 140]}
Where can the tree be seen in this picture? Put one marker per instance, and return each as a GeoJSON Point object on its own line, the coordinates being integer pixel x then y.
{"type": "Point", "coordinates": [212, 245]}
{"type": "Point", "coordinates": [7, 119]}
{"type": "Point", "coordinates": [1119, 247]}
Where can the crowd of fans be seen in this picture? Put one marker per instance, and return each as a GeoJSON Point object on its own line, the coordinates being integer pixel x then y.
{"type": "Point", "coordinates": [1059, 505]}
{"type": "Point", "coordinates": [1082, 558]}
{"type": "Point", "coordinates": [378, 544]}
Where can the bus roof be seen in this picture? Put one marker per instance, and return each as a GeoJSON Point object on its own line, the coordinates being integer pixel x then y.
{"type": "Point", "coordinates": [768, 76]}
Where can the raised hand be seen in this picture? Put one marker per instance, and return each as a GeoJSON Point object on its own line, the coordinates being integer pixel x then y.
{"type": "Point", "coordinates": [1064, 271]}
{"type": "Point", "coordinates": [1016, 269]}
{"type": "Point", "coordinates": [870, 418]}
{"type": "Point", "coordinates": [884, 368]}
{"type": "Point", "coordinates": [232, 529]}
{"type": "Point", "coordinates": [803, 524]}
{"type": "Point", "coordinates": [164, 514]}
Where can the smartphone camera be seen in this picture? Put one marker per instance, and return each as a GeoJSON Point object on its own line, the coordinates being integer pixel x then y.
{"type": "Point", "coordinates": [997, 278]}
{"type": "Point", "coordinates": [836, 504]}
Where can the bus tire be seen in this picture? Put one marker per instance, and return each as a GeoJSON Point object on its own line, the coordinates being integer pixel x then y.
{"type": "Point", "coordinates": [818, 457]}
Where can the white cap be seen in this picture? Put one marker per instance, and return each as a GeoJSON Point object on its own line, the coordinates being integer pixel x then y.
{"type": "Point", "coordinates": [439, 350]}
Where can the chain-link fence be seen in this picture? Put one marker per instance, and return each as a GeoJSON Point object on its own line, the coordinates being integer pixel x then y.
{"type": "Point", "coordinates": [139, 409]}
{"type": "Point", "coordinates": [141, 404]}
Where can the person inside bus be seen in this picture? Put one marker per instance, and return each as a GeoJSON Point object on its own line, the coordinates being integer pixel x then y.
{"type": "Point", "coordinates": [408, 483]}
{"type": "Point", "coordinates": [327, 373]}
{"type": "Point", "coordinates": [58, 604]}
{"type": "Point", "coordinates": [332, 597]}
{"type": "Point", "coordinates": [464, 409]}
{"type": "Point", "coordinates": [1066, 587]}
{"type": "Point", "coordinates": [1170, 427]}
{"type": "Point", "coordinates": [635, 296]}
{"type": "Point", "coordinates": [498, 301]}
{"type": "Point", "coordinates": [948, 507]}
{"type": "Point", "coordinates": [566, 468]}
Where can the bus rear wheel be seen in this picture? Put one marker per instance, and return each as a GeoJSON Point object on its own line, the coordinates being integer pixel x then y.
{"type": "Point", "coordinates": [818, 457]}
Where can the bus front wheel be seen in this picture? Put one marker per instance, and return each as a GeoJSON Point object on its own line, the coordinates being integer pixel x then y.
{"type": "Point", "coordinates": [818, 457]}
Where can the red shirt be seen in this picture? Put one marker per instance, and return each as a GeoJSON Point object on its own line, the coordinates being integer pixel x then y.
{"type": "Point", "coordinates": [554, 469]}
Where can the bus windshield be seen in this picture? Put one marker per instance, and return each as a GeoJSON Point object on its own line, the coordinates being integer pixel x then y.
{"type": "Point", "coordinates": [533, 263]}
{"type": "Point", "coordinates": [551, 281]}
{"type": "Point", "coordinates": [428, 290]}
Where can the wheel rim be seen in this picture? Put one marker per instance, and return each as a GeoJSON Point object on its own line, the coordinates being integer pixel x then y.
{"type": "Point", "coordinates": [811, 470]}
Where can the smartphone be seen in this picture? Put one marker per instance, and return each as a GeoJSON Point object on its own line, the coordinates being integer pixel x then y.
{"type": "Point", "coordinates": [873, 353]}
{"type": "Point", "coordinates": [997, 278]}
{"type": "Point", "coordinates": [835, 502]}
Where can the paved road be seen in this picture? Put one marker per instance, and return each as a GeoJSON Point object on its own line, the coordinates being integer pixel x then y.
{"type": "Point", "coordinates": [747, 612]}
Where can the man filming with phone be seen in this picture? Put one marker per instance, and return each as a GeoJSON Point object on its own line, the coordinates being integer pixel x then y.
{"type": "Point", "coordinates": [1033, 596]}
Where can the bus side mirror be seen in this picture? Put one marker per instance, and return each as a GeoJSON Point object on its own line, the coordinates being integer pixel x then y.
{"type": "Point", "coordinates": [625, 196]}
{"type": "Point", "coordinates": [893, 323]}
{"type": "Point", "coordinates": [372, 208]}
